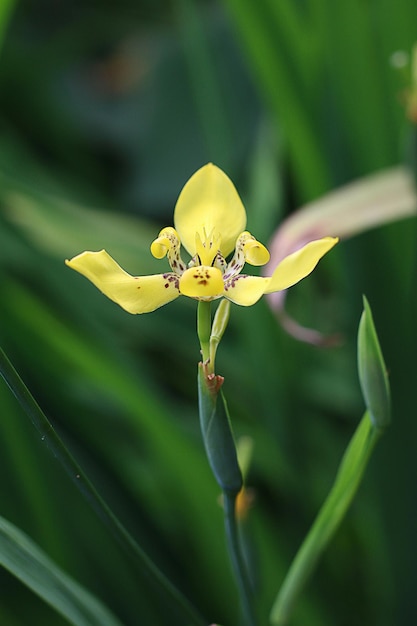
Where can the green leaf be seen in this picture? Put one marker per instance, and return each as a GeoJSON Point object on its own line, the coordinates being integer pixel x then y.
{"type": "Point", "coordinates": [372, 371]}
{"type": "Point", "coordinates": [327, 521]}
{"type": "Point", "coordinates": [25, 560]}
{"type": "Point", "coordinates": [72, 468]}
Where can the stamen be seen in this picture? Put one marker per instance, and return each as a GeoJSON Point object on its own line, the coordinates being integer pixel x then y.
{"type": "Point", "coordinates": [208, 247]}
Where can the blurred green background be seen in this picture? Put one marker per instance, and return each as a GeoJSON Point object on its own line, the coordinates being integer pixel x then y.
{"type": "Point", "coordinates": [106, 109]}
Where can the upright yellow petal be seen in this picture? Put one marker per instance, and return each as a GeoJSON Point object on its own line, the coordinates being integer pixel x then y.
{"type": "Point", "coordinates": [135, 294]}
{"type": "Point", "coordinates": [299, 264]}
{"type": "Point", "coordinates": [209, 201]}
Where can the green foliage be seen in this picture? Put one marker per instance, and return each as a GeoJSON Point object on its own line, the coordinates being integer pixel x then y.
{"type": "Point", "coordinates": [327, 521]}
{"type": "Point", "coordinates": [372, 372]}
{"type": "Point", "coordinates": [105, 111]}
{"type": "Point", "coordinates": [23, 558]}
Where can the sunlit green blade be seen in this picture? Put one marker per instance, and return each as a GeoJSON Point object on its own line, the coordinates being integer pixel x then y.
{"type": "Point", "coordinates": [64, 228]}
{"type": "Point", "coordinates": [376, 391]}
{"type": "Point", "coordinates": [329, 518]}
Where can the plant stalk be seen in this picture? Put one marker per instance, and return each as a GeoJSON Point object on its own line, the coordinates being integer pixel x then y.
{"type": "Point", "coordinates": [236, 557]}
{"type": "Point", "coordinates": [204, 330]}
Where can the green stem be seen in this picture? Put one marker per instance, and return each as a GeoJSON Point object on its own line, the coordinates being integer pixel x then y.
{"type": "Point", "coordinates": [58, 449]}
{"type": "Point", "coordinates": [220, 321]}
{"type": "Point", "coordinates": [204, 329]}
{"type": "Point", "coordinates": [238, 564]}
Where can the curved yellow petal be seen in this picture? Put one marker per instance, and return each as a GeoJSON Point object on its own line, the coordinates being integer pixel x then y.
{"type": "Point", "coordinates": [254, 251]}
{"type": "Point", "coordinates": [247, 250]}
{"type": "Point", "coordinates": [299, 264]}
{"type": "Point", "coordinates": [168, 244]}
{"type": "Point", "coordinates": [245, 290]}
{"type": "Point", "coordinates": [166, 240]}
{"type": "Point", "coordinates": [135, 294]}
{"type": "Point", "coordinates": [202, 282]}
{"type": "Point", "coordinates": [209, 201]}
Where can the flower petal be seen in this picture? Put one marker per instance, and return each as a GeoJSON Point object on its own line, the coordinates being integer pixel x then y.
{"type": "Point", "coordinates": [255, 252]}
{"type": "Point", "coordinates": [299, 264]}
{"type": "Point", "coordinates": [168, 244]}
{"type": "Point", "coordinates": [245, 290]}
{"type": "Point", "coordinates": [209, 201]}
{"type": "Point", "coordinates": [167, 239]}
{"type": "Point", "coordinates": [247, 250]}
{"type": "Point", "coordinates": [202, 282]}
{"type": "Point", "coordinates": [135, 294]}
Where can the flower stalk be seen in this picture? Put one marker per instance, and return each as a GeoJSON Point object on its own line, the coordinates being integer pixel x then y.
{"type": "Point", "coordinates": [221, 319]}
{"type": "Point", "coordinates": [203, 331]}
{"type": "Point", "coordinates": [222, 456]}
{"type": "Point", "coordinates": [220, 445]}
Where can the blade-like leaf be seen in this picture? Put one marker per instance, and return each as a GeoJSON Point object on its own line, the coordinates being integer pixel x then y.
{"type": "Point", "coordinates": [25, 560]}
{"type": "Point", "coordinates": [328, 520]}
{"type": "Point", "coordinates": [70, 465]}
{"type": "Point", "coordinates": [372, 371]}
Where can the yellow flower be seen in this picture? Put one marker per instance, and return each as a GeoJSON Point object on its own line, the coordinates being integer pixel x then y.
{"type": "Point", "coordinates": [210, 222]}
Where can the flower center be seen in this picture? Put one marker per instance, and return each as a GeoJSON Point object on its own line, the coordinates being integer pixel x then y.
{"type": "Point", "coordinates": [202, 282]}
{"type": "Point", "coordinates": [208, 275]}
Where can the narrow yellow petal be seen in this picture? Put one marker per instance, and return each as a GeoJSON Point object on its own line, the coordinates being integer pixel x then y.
{"type": "Point", "coordinates": [299, 264]}
{"type": "Point", "coordinates": [245, 290]}
{"type": "Point", "coordinates": [202, 282]}
{"type": "Point", "coordinates": [209, 201]}
{"type": "Point", "coordinates": [135, 294]}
